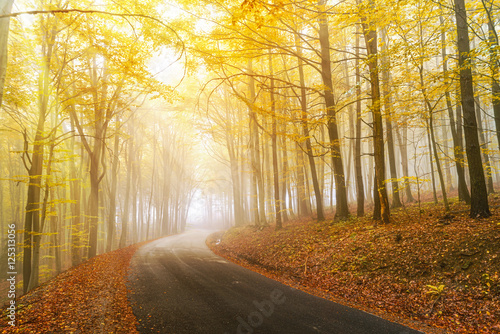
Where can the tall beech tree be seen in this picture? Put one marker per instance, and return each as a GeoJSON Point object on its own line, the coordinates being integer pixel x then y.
{"type": "Point", "coordinates": [342, 210]}
{"type": "Point", "coordinates": [479, 195]}
{"type": "Point", "coordinates": [370, 34]}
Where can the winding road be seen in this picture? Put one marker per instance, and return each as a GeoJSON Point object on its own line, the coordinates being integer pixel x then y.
{"type": "Point", "coordinates": [177, 285]}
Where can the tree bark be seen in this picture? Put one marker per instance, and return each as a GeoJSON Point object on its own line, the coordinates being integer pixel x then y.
{"type": "Point", "coordinates": [370, 34]}
{"type": "Point", "coordinates": [342, 209]}
{"type": "Point", "coordinates": [5, 9]}
{"type": "Point", "coordinates": [386, 88]}
{"type": "Point", "coordinates": [479, 194]}
{"type": "Point", "coordinates": [360, 191]}
{"type": "Point", "coordinates": [233, 162]}
{"type": "Point", "coordinates": [114, 184]}
{"type": "Point", "coordinates": [494, 67]}
{"type": "Point", "coordinates": [255, 151]}
{"type": "Point", "coordinates": [403, 149]}
{"type": "Point", "coordinates": [284, 179]}
{"type": "Point", "coordinates": [126, 205]}
{"type": "Point", "coordinates": [463, 192]}
{"type": "Point", "coordinates": [305, 132]}
{"type": "Point", "coordinates": [277, 202]}
{"type": "Point", "coordinates": [484, 150]}
{"type": "Point", "coordinates": [32, 216]}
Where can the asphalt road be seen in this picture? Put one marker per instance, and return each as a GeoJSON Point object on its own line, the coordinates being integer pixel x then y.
{"type": "Point", "coordinates": [177, 285]}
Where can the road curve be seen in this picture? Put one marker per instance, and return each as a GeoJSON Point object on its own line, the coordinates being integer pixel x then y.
{"type": "Point", "coordinates": [177, 285]}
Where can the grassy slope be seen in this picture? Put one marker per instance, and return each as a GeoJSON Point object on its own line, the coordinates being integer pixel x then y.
{"type": "Point", "coordinates": [436, 269]}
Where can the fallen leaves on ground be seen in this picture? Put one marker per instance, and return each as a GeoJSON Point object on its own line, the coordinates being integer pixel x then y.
{"type": "Point", "coordinates": [427, 266]}
{"type": "Point", "coordinates": [88, 298]}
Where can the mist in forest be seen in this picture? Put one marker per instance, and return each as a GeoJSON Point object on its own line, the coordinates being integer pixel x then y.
{"type": "Point", "coordinates": [127, 122]}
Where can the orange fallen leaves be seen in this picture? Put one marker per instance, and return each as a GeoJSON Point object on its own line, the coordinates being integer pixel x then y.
{"type": "Point", "coordinates": [88, 298]}
{"type": "Point", "coordinates": [387, 268]}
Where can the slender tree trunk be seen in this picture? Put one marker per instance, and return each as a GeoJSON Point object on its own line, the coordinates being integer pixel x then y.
{"type": "Point", "coordinates": [377, 209]}
{"type": "Point", "coordinates": [370, 33]}
{"type": "Point", "coordinates": [370, 174]}
{"type": "Point", "coordinates": [48, 195]}
{"type": "Point", "coordinates": [484, 150]}
{"type": "Point", "coordinates": [114, 184]}
{"type": "Point", "coordinates": [438, 163]}
{"type": "Point", "coordinates": [5, 9]}
{"type": "Point", "coordinates": [267, 172]}
{"type": "Point", "coordinates": [76, 224]}
{"type": "Point", "coordinates": [342, 210]}
{"type": "Point", "coordinates": [126, 205]}
{"type": "Point", "coordinates": [302, 197]}
{"type": "Point", "coordinates": [284, 179]}
{"type": "Point", "coordinates": [276, 181]}
{"type": "Point", "coordinates": [256, 164]}
{"type": "Point", "coordinates": [479, 194]}
{"type": "Point", "coordinates": [463, 192]}
{"type": "Point", "coordinates": [135, 162]}
{"type": "Point", "coordinates": [494, 66]}
{"type": "Point", "coordinates": [233, 161]}
{"type": "Point", "coordinates": [403, 142]}
{"type": "Point", "coordinates": [56, 236]}
{"type": "Point", "coordinates": [360, 191]}
{"type": "Point", "coordinates": [432, 142]}
{"type": "Point", "coordinates": [431, 164]}
{"type": "Point", "coordinates": [152, 188]}
{"type": "Point", "coordinates": [385, 64]}
{"type": "Point", "coordinates": [95, 161]}
{"type": "Point", "coordinates": [305, 131]}
{"type": "Point", "coordinates": [32, 216]}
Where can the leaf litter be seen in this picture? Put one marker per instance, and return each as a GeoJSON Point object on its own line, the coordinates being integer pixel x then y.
{"type": "Point", "coordinates": [434, 271]}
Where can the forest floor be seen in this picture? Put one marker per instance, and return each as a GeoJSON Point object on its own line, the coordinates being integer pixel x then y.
{"type": "Point", "coordinates": [88, 298]}
{"type": "Point", "coordinates": [427, 267]}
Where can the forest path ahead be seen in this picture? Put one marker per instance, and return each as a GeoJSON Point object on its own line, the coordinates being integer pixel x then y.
{"type": "Point", "coordinates": [179, 286]}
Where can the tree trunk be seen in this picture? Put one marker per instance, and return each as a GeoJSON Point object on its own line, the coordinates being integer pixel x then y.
{"type": "Point", "coordinates": [284, 179]}
{"type": "Point", "coordinates": [484, 150]}
{"type": "Point", "coordinates": [479, 194]}
{"type": "Point", "coordinates": [233, 161]}
{"type": "Point", "coordinates": [302, 198]}
{"type": "Point", "coordinates": [75, 186]}
{"type": "Point", "coordinates": [385, 64]}
{"type": "Point", "coordinates": [277, 202]}
{"type": "Point", "coordinates": [135, 162]}
{"type": "Point", "coordinates": [463, 192]}
{"type": "Point", "coordinates": [126, 205]}
{"type": "Point", "coordinates": [32, 216]}
{"type": "Point", "coordinates": [5, 9]}
{"type": "Point", "coordinates": [432, 141]}
{"type": "Point", "coordinates": [377, 209]}
{"type": "Point", "coordinates": [305, 131]}
{"type": "Point", "coordinates": [431, 164]}
{"type": "Point", "coordinates": [114, 184]}
{"type": "Point", "coordinates": [403, 142]}
{"type": "Point", "coordinates": [256, 164]}
{"type": "Point", "coordinates": [494, 67]}
{"type": "Point", "coordinates": [370, 34]}
{"type": "Point", "coordinates": [360, 191]}
{"type": "Point", "coordinates": [438, 163]}
{"type": "Point", "coordinates": [342, 210]}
